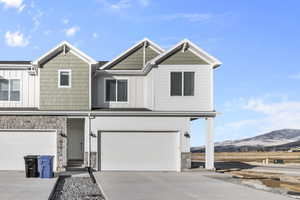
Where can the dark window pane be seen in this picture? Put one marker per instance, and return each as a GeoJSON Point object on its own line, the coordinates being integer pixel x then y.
{"type": "Point", "coordinates": [110, 90]}
{"type": "Point", "coordinates": [3, 90]}
{"type": "Point", "coordinates": [189, 83]}
{"type": "Point", "coordinates": [176, 84]}
{"type": "Point", "coordinates": [14, 90]}
{"type": "Point", "coordinates": [122, 90]}
{"type": "Point", "coordinates": [64, 78]}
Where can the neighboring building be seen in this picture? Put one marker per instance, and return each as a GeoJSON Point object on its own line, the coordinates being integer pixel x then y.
{"type": "Point", "coordinates": [295, 149]}
{"type": "Point", "coordinates": [132, 113]}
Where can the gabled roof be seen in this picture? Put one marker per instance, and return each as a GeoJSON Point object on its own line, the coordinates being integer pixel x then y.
{"type": "Point", "coordinates": [61, 47]}
{"type": "Point", "coordinates": [132, 49]}
{"type": "Point", "coordinates": [186, 44]}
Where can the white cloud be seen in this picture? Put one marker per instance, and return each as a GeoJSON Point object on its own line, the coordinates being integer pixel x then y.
{"type": "Point", "coordinates": [65, 21]}
{"type": "Point", "coordinates": [241, 124]}
{"type": "Point", "coordinates": [36, 20]}
{"type": "Point", "coordinates": [270, 113]}
{"type": "Point", "coordinates": [18, 4]}
{"type": "Point", "coordinates": [117, 6]}
{"type": "Point", "coordinates": [16, 39]}
{"type": "Point", "coordinates": [72, 31]}
{"type": "Point", "coordinates": [295, 76]}
{"type": "Point", "coordinates": [192, 17]}
{"type": "Point", "coordinates": [121, 4]}
{"type": "Point", "coordinates": [144, 3]}
{"type": "Point", "coordinates": [95, 35]}
{"type": "Point", "coordinates": [47, 32]}
{"type": "Point", "coordinates": [260, 105]}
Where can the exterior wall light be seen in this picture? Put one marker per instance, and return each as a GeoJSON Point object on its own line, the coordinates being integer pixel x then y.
{"type": "Point", "coordinates": [187, 135]}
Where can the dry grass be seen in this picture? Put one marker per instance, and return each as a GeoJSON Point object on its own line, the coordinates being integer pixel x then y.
{"type": "Point", "coordinates": [273, 180]}
{"type": "Point", "coordinates": [288, 157]}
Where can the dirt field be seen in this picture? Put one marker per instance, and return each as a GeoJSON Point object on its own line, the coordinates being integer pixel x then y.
{"type": "Point", "coordinates": [287, 157]}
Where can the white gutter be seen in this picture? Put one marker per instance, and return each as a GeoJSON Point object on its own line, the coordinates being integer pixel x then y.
{"type": "Point", "coordinates": [141, 72]}
{"type": "Point", "coordinates": [90, 146]}
{"type": "Point", "coordinates": [114, 113]}
{"type": "Point", "coordinates": [9, 66]}
{"type": "Point", "coordinates": [121, 72]}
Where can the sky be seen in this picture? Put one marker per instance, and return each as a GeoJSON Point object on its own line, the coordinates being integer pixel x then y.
{"type": "Point", "coordinates": [256, 89]}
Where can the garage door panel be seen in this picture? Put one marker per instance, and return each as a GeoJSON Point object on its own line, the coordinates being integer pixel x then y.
{"type": "Point", "coordinates": [139, 151]}
{"type": "Point", "coordinates": [15, 145]}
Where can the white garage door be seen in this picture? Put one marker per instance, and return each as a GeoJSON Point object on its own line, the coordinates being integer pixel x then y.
{"type": "Point", "coordinates": [132, 151]}
{"type": "Point", "coordinates": [14, 145]}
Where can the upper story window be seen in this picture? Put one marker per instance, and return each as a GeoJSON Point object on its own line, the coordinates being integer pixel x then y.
{"type": "Point", "coordinates": [9, 90]}
{"type": "Point", "coordinates": [64, 78]}
{"type": "Point", "coordinates": [116, 90]}
{"type": "Point", "coordinates": [182, 83]}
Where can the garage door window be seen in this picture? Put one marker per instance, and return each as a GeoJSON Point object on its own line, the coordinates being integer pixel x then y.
{"type": "Point", "coordinates": [116, 90]}
{"type": "Point", "coordinates": [9, 90]}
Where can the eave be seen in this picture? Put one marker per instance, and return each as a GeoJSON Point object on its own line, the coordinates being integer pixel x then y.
{"type": "Point", "coordinates": [116, 113]}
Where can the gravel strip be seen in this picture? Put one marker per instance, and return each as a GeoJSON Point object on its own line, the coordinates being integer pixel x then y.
{"type": "Point", "coordinates": [77, 188]}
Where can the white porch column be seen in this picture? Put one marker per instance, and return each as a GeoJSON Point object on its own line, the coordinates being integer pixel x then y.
{"type": "Point", "coordinates": [209, 144]}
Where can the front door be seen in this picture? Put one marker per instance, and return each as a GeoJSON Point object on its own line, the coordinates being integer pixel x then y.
{"type": "Point", "coordinates": [75, 137]}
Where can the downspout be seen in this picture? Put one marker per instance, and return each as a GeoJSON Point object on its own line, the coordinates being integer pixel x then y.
{"type": "Point", "coordinates": [90, 146]}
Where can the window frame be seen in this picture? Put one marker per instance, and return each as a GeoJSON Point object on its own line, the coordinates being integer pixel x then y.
{"type": "Point", "coordinates": [182, 84]}
{"type": "Point", "coordinates": [116, 98]}
{"type": "Point", "coordinates": [70, 78]}
{"type": "Point", "coordinates": [9, 90]}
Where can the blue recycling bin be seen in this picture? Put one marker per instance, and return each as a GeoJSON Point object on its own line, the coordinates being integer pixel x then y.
{"type": "Point", "coordinates": [45, 166]}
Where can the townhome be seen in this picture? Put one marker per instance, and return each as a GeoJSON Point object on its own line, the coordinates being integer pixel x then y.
{"type": "Point", "coordinates": [131, 113]}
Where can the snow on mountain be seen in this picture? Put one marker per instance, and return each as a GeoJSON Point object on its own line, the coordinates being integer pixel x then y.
{"type": "Point", "coordinates": [273, 138]}
{"type": "Point", "coordinates": [283, 139]}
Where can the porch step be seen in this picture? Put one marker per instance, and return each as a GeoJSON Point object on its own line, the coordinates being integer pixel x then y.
{"type": "Point", "coordinates": [76, 169]}
{"type": "Point", "coordinates": [75, 163]}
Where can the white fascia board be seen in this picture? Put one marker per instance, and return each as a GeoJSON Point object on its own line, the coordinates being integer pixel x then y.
{"type": "Point", "coordinates": [121, 72]}
{"type": "Point", "coordinates": [214, 61]}
{"type": "Point", "coordinates": [141, 72]}
{"type": "Point", "coordinates": [74, 50]}
{"type": "Point", "coordinates": [15, 66]}
{"type": "Point", "coordinates": [154, 60]}
{"type": "Point", "coordinates": [156, 47]}
{"type": "Point", "coordinates": [35, 62]}
{"type": "Point", "coordinates": [81, 54]}
{"type": "Point", "coordinates": [115, 113]}
{"type": "Point", "coordinates": [198, 51]}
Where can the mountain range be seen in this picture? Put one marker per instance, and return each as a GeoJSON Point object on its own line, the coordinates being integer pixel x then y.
{"type": "Point", "coordinates": [279, 140]}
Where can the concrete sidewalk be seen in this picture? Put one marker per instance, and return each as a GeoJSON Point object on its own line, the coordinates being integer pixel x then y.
{"type": "Point", "coordinates": [14, 186]}
{"type": "Point", "coordinates": [176, 186]}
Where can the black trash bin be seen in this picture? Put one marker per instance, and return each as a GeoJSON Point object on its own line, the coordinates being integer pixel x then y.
{"type": "Point", "coordinates": [31, 166]}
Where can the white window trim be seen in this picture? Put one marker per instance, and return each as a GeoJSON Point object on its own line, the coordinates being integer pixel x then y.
{"type": "Point", "coordinates": [70, 78]}
{"type": "Point", "coordinates": [9, 90]}
{"type": "Point", "coordinates": [182, 84]}
{"type": "Point", "coordinates": [116, 101]}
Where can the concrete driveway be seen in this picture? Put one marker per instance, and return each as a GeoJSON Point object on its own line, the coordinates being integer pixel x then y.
{"type": "Point", "coordinates": [14, 186]}
{"type": "Point", "coordinates": [176, 186]}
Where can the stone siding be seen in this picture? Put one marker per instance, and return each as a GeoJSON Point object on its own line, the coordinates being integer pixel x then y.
{"type": "Point", "coordinates": [186, 160]}
{"type": "Point", "coordinates": [93, 159]}
{"type": "Point", "coordinates": [58, 123]}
